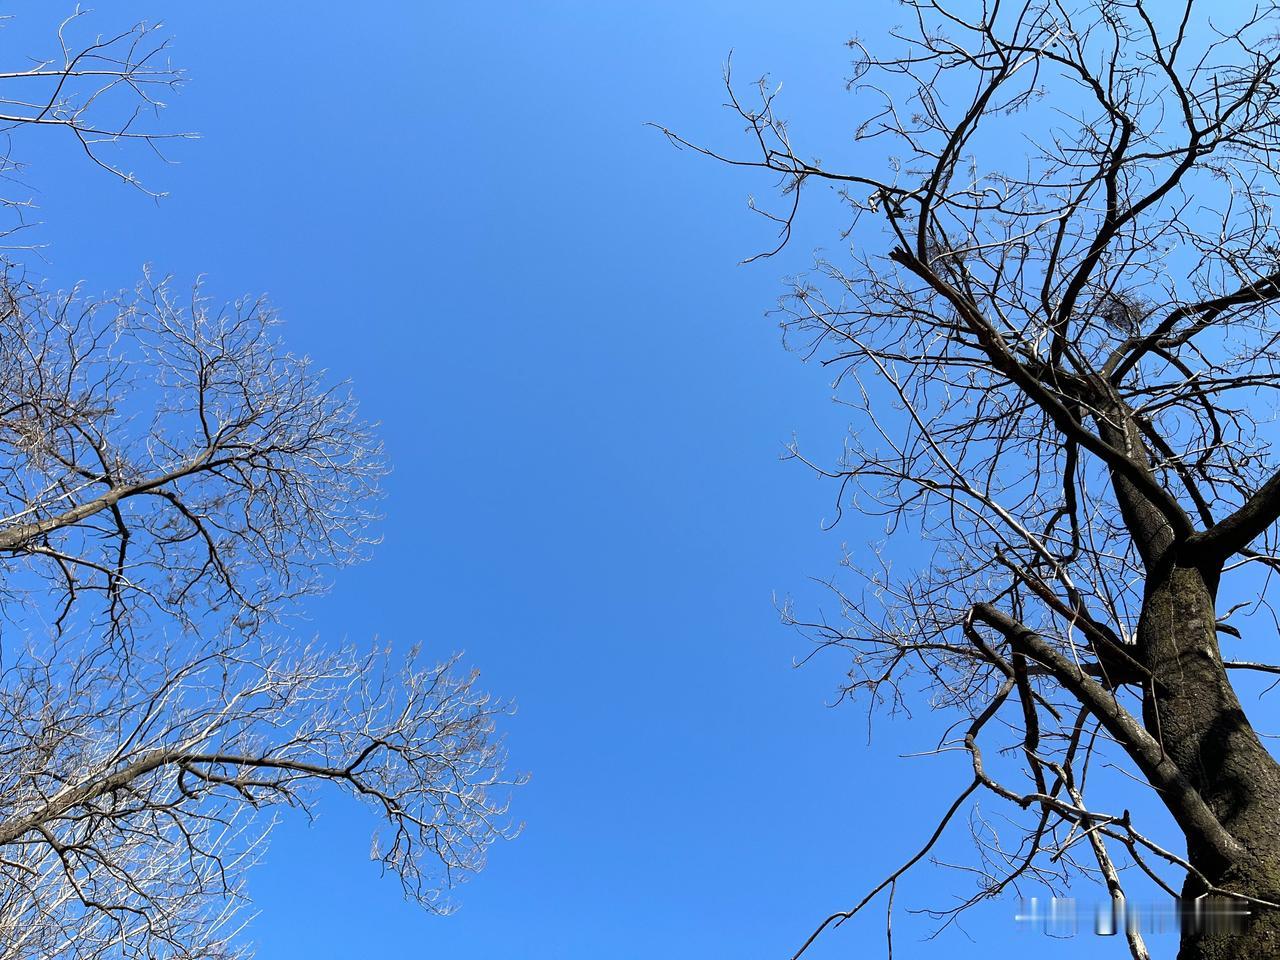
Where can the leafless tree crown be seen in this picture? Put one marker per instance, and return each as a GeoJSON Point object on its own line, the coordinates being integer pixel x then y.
{"type": "Point", "coordinates": [172, 482]}
{"type": "Point", "coordinates": [1058, 328]}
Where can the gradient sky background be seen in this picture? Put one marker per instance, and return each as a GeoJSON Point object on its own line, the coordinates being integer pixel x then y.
{"type": "Point", "coordinates": [458, 207]}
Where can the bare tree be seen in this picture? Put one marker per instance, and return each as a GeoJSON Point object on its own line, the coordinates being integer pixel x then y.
{"type": "Point", "coordinates": [1064, 360]}
{"type": "Point", "coordinates": [172, 483]}
{"type": "Point", "coordinates": [101, 91]}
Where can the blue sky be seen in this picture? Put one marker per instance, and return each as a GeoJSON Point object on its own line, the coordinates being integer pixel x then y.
{"type": "Point", "coordinates": [459, 207]}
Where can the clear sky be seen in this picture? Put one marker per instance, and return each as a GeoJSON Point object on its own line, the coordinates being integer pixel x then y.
{"type": "Point", "coordinates": [458, 207]}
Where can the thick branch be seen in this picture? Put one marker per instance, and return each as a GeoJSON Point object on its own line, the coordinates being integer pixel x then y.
{"type": "Point", "coordinates": [1181, 798]}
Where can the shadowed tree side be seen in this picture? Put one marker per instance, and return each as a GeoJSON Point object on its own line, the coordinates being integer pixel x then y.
{"type": "Point", "coordinates": [1064, 359]}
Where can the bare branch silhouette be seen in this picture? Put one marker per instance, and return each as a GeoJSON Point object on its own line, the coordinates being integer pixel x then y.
{"type": "Point", "coordinates": [1063, 360]}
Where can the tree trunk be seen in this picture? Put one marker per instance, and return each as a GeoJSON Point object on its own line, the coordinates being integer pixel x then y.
{"type": "Point", "coordinates": [1194, 713]}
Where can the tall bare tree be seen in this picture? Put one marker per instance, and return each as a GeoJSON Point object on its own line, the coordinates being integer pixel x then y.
{"type": "Point", "coordinates": [172, 482]}
{"type": "Point", "coordinates": [1059, 324]}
